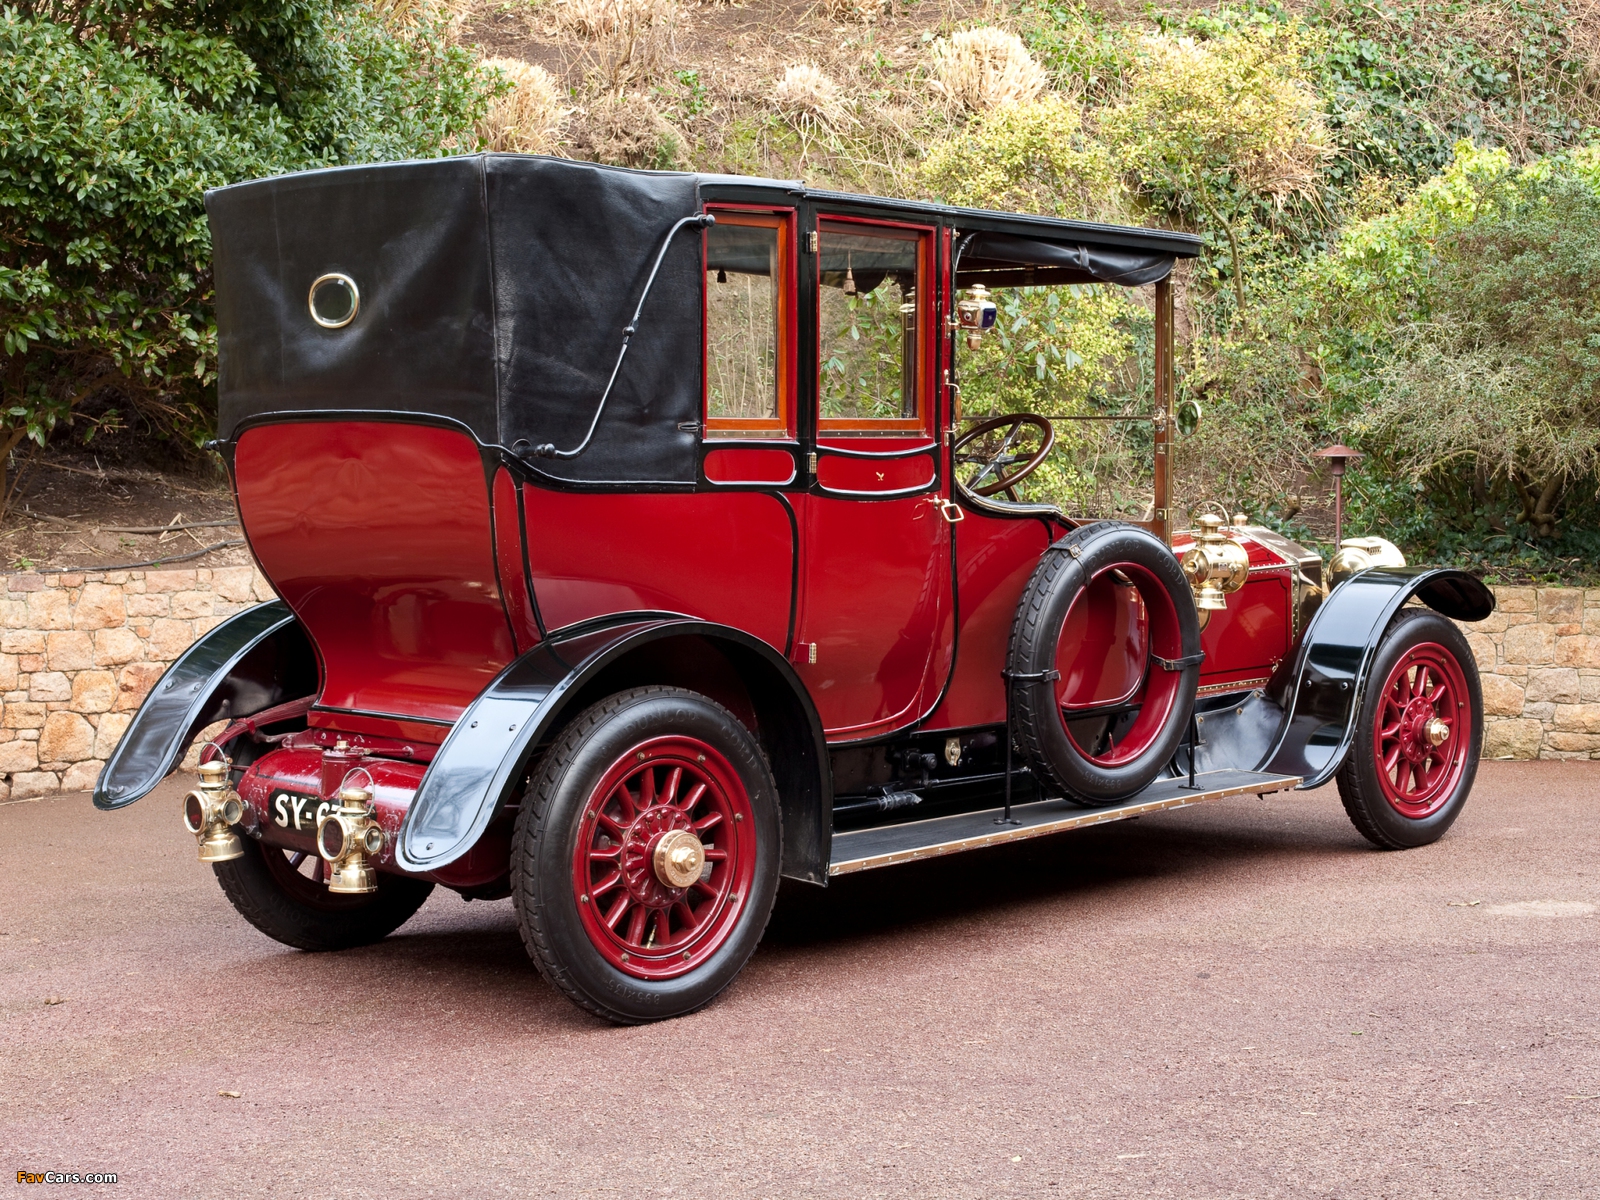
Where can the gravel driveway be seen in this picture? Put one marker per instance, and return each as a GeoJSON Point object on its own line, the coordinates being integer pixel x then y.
{"type": "Point", "coordinates": [1241, 1000]}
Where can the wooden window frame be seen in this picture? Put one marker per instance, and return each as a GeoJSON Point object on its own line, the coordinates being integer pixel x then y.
{"type": "Point", "coordinates": [926, 312]}
{"type": "Point", "coordinates": [783, 425]}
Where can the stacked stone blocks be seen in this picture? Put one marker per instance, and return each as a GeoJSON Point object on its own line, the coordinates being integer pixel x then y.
{"type": "Point", "coordinates": [1539, 660]}
{"type": "Point", "coordinates": [79, 652]}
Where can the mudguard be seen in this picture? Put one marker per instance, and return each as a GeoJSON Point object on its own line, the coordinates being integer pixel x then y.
{"type": "Point", "coordinates": [1303, 722]}
{"type": "Point", "coordinates": [251, 662]}
{"type": "Point", "coordinates": [490, 747]}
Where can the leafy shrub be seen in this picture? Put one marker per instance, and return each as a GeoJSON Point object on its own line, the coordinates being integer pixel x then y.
{"type": "Point", "coordinates": [1027, 158]}
{"type": "Point", "coordinates": [1499, 368]}
{"type": "Point", "coordinates": [116, 115]}
{"type": "Point", "coordinates": [1214, 130]}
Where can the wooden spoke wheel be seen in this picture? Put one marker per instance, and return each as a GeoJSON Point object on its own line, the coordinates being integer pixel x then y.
{"type": "Point", "coordinates": [284, 894]}
{"type": "Point", "coordinates": [1418, 735]}
{"type": "Point", "coordinates": [992, 446]}
{"type": "Point", "coordinates": [646, 853]}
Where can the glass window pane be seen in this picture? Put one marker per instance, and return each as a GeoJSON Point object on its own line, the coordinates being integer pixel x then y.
{"type": "Point", "coordinates": [742, 280]}
{"type": "Point", "coordinates": [868, 334]}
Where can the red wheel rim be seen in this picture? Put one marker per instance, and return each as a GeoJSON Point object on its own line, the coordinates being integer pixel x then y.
{"type": "Point", "coordinates": [1157, 692]}
{"type": "Point", "coordinates": [638, 922]}
{"type": "Point", "coordinates": [1418, 732]}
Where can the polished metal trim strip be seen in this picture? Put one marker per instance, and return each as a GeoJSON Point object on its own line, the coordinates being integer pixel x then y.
{"type": "Point", "coordinates": [1081, 820]}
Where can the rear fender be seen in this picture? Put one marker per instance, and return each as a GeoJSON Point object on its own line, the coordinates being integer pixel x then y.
{"type": "Point", "coordinates": [1319, 697]}
{"type": "Point", "coordinates": [491, 747]}
{"type": "Point", "coordinates": [251, 662]}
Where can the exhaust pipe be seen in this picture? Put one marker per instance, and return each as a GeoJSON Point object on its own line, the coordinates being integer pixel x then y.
{"type": "Point", "coordinates": [346, 838]}
{"type": "Point", "coordinates": [211, 811]}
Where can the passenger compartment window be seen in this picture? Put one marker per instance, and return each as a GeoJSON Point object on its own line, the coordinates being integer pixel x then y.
{"type": "Point", "coordinates": [871, 310]}
{"type": "Point", "coordinates": [749, 360]}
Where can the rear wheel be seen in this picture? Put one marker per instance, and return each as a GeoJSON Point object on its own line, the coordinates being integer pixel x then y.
{"type": "Point", "coordinates": [1418, 735]}
{"type": "Point", "coordinates": [646, 854]}
{"type": "Point", "coordinates": [284, 894]}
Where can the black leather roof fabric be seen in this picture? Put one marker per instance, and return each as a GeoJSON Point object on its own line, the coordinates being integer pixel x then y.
{"type": "Point", "coordinates": [1096, 264]}
{"type": "Point", "coordinates": [573, 244]}
{"type": "Point", "coordinates": [495, 288]}
{"type": "Point", "coordinates": [413, 238]}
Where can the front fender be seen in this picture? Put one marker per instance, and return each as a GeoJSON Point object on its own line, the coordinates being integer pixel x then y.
{"type": "Point", "coordinates": [251, 662]}
{"type": "Point", "coordinates": [488, 750]}
{"type": "Point", "coordinates": [1321, 694]}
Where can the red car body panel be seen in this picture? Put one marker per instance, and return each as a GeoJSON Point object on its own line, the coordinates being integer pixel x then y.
{"type": "Point", "coordinates": [726, 557]}
{"type": "Point", "coordinates": [378, 535]}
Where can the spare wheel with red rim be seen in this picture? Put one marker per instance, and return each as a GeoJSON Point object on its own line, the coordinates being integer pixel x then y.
{"type": "Point", "coordinates": [1104, 662]}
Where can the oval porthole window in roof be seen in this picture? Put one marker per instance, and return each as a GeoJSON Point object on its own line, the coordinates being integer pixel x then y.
{"type": "Point", "coordinates": [334, 300]}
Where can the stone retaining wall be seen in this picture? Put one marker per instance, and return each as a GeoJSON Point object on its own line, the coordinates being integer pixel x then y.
{"type": "Point", "coordinates": [1539, 659]}
{"type": "Point", "coordinates": [78, 653]}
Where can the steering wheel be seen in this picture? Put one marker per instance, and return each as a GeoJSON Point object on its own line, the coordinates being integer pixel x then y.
{"type": "Point", "coordinates": [1002, 468]}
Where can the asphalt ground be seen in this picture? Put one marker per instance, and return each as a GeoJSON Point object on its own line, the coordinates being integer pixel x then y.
{"type": "Point", "coordinates": [1241, 1000]}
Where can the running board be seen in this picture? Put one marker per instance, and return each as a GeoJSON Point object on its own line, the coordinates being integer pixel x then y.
{"type": "Point", "coordinates": [865, 849]}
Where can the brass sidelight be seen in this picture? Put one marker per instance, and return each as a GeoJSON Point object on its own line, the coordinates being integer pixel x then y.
{"type": "Point", "coordinates": [976, 314]}
{"type": "Point", "coordinates": [211, 811]}
{"type": "Point", "coordinates": [1216, 566]}
{"type": "Point", "coordinates": [347, 837]}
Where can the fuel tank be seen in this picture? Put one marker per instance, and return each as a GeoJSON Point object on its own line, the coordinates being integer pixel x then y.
{"type": "Point", "coordinates": [292, 787]}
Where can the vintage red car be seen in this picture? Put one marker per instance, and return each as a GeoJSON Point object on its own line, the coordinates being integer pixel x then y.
{"type": "Point", "coordinates": [620, 573]}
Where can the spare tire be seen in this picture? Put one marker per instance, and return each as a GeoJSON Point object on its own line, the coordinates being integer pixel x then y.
{"type": "Point", "coordinates": [1104, 662]}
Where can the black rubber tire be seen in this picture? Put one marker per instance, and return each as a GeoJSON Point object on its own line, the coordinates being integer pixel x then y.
{"type": "Point", "coordinates": [544, 841]}
{"type": "Point", "coordinates": [293, 910]}
{"type": "Point", "coordinates": [1372, 815]}
{"type": "Point", "coordinates": [1064, 571]}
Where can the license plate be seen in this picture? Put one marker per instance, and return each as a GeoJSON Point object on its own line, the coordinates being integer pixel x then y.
{"type": "Point", "coordinates": [296, 810]}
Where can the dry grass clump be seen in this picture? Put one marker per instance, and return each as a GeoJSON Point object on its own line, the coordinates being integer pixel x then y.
{"type": "Point", "coordinates": [408, 16]}
{"type": "Point", "coordinates": [634, 37]}
{"type": "Point", "coordinates": [596, 19]}
{"type": "Point", "coordinates": [527, 118]}
{"type": "Point", "coordinates": [863, 12]}
{"type": "Point", "coordinates": [810, 99]}
{"type": "Point", "coordinates": [625, 131]}
{"type": "Point", "coordinates": [985, 68]}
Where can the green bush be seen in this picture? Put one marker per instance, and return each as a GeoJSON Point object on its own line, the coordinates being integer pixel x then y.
{"type": "Point", "coordinates": [116, 115]}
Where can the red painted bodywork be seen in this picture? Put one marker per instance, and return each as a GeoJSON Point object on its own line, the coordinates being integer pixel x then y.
{"type": "Point", "coordinates": [1103, 647]}
{"type": "Point", "coordinates": [725, 557]}
{"type": "Point", "coordinates": [378, 535]}
{"type": "Point", "coordinates": [749, 465]}
{"type": "Point", "coordinates": [840, 474]}
{"type": "Point", "coordinates": [1246, 641]}
{"type": "Point", "coordinates": [271, 784]}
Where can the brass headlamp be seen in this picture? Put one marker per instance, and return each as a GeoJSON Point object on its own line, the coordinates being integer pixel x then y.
{"type": "Point", "coordinates": [976, 314]}
{"type": "Point", "coordinates": [1216, 566]}
{"type": "Point", "coordinates": [347, 837]}
{"type": "Point", "coordinates": [1362, 554]}
{"type": "Point", "coordinates": [211, 811]}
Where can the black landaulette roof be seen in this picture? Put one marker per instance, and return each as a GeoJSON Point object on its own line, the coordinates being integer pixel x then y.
{"type": "Point", "coordinates": [494, 289]}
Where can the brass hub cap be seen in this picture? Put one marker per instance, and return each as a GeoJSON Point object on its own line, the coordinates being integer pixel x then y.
{"type": "Point", "coordinates": [1436, 731]}
{"type": "Point", "coordinates": [678, 859]}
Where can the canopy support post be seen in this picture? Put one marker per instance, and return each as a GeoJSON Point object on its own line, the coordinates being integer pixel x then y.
{"type": "Point", "coordinates": [1161, 525]}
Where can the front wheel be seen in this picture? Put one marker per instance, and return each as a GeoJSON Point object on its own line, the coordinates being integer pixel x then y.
{"type": "Point", "coordinates": [645, 859]}
{"type": "Point", "coordinates": [1418, 735]}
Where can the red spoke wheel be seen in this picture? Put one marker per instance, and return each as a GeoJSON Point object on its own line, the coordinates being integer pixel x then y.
{"type": "Point", "coordinates": [284, 894]}
{"type": "Point", "coordinates": [1418, 734]}
{"type": "Point", "coordinates": [1104, 650]}
{"type": "Point", "coordinates": [645, 859]}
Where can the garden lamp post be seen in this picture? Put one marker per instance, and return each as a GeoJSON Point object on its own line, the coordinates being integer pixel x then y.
{"type": "Point", "coordinates": [1338, 455]}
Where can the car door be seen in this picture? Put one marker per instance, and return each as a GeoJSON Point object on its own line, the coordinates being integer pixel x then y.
{"type": "Point", "coordinates": [875, 626]}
